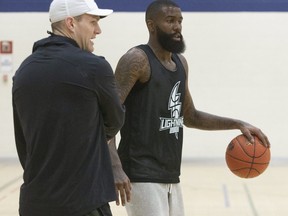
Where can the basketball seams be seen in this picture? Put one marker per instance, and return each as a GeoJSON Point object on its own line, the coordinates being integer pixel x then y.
{"type": "Point", "coordinates": [238, 159]}
{"type": "Point", "coordinates": [246, 152]}
{"type": "Point", "coordinates": [254, 149]}
{"type": "Point", "coordinates": [261, 154]}
{"type": "Point", "coordinates": [252, 162]}
{"type": "Point", "coordinates": [247, 160]}
{"type": "Point", "coordinates": [249, 172]}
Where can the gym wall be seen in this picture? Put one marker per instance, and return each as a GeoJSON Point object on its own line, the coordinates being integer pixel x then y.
{"type": "Point", "coordinates": [237, 62]}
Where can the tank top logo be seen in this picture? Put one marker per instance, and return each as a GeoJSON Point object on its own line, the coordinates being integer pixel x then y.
{"type": "Point", "coordinates": [174, 105]}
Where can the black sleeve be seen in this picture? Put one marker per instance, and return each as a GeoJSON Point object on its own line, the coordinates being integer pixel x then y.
{"type": "Point", "coordinates": [19, 138]}
{"type": "Point", "coordinates": [110, 105]}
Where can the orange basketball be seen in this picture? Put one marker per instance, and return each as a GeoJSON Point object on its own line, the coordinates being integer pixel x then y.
{"type": "Point", "coordinates": [245, 159]}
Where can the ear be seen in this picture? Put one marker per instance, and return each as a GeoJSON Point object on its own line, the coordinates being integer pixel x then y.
{"type": "Point", "coordinates": [69, 22]}
{"type": "Point", "coordinates": [151, 26]}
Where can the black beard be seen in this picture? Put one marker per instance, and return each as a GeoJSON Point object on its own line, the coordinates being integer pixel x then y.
{"type": "Point", "coordinates": [167, 42]}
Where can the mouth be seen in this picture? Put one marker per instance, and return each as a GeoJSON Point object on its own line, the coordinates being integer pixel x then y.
{"type": "Point", "coordinates": [91, 40]}
{"type": "Point", "coordinates": [177, 37]}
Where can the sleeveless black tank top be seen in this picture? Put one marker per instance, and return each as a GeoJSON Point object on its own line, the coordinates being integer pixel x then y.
{"type": "Point", "coordinates": [150, 148]}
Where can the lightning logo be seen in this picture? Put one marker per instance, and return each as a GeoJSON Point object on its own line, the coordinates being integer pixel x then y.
{"type": "Point", "coordinates": [174, 105]}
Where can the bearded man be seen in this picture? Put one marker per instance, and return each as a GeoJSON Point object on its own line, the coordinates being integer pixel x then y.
{"type": "Point", "coordinates": [153, 82]}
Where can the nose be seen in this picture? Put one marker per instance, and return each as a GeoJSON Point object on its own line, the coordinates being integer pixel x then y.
{"type": "Point", "coordinates": [97, 29]}
{"type": "Point", "coordinates": [177, 26]}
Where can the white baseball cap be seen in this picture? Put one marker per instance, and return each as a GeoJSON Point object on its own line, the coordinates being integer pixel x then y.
{"type": "Point", "coordinates": [60, 9]}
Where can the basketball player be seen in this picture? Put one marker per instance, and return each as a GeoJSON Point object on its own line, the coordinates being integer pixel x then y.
{"type": "Point", "coordinates": [153, 81]}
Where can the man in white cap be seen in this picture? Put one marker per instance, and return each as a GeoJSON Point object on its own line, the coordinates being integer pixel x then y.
{"type": "Point", "coordinates": [66, 107]}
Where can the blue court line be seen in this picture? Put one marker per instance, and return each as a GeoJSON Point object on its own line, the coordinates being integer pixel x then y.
{"type": "Point", "coordinates": [254, 211]}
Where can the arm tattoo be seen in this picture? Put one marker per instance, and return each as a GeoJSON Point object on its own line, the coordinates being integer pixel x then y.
{"type": "Point", "coordinates": [132, 67]}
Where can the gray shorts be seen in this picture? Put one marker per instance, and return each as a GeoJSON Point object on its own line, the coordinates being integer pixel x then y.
{"type": "Point", "coordinates": [155, 199]}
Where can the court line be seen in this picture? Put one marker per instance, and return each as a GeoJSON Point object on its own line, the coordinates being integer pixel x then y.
{"type": "Point", "coordinates": [254, 211]}
{"type": "Point", "coordinates": [226, 197]}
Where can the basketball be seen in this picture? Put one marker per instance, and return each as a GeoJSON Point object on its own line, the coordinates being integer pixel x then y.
{"type": "Point", "coordinates": [245, 159]}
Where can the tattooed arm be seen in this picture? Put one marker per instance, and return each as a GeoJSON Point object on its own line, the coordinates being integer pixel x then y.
{"type": "Point", "coordinates": [132, 67]}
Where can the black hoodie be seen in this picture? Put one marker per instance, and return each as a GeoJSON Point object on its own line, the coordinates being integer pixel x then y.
{"type": "Point", "coordinates": [65, 107]}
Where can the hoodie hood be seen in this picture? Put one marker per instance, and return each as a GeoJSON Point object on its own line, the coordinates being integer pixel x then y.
{"type": "Point", "coordinates": [53, 40]}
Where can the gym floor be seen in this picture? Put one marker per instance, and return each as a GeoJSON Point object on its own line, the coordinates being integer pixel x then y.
{"type": "Point", "coordinates": [209, 188]}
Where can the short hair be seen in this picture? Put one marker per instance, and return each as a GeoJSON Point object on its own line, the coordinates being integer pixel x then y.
{"type": "Point", "coordinates": [57, 26]}
{"type": "Point", "coordinates": [155, 7]}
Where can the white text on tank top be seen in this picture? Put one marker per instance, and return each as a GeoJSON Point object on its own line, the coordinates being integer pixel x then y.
{"type": "Point", "coordinates": [174, 105]}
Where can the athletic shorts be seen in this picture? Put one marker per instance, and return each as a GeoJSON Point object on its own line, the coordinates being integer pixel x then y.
{"type": "Point", "coordinates": [155, 199]}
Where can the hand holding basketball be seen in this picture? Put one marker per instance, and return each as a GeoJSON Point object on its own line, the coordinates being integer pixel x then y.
{"type": "Point", "coordinates": [245, 159]}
